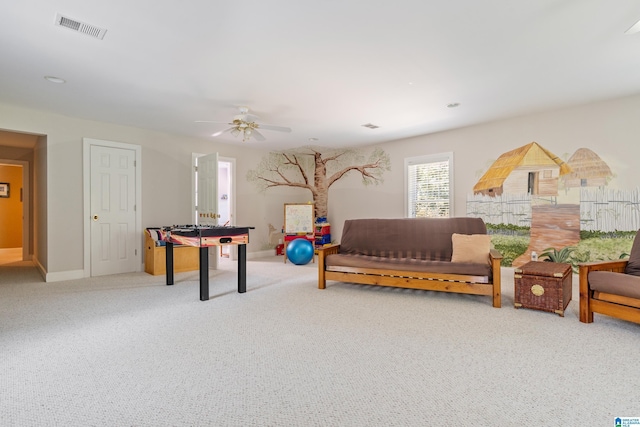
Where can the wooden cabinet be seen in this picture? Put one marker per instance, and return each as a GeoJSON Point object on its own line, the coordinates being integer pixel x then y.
{"type": "Point", "coordinates": [185, 258]}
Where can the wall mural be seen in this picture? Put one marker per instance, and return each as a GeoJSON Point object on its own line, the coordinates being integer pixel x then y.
{"type": "Point", "coordinates": [533, 201]}
{"type": "Point", "coordinates": [311, 169]}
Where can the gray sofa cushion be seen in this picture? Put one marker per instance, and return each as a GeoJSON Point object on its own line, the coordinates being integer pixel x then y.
{"type": "Point", "coordinates": [633, 266]}
{"type": "Point", "coordinates": [417, 238]}
{"type": "Point", "coordinates": [615, 283]}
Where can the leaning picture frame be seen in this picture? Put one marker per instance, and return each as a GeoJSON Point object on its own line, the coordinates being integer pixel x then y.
{"type": "Point", "coordinates": [4, 189]}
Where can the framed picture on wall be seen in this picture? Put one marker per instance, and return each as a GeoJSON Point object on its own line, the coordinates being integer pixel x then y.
{"type": "Point", "coordinates": [4, 189]}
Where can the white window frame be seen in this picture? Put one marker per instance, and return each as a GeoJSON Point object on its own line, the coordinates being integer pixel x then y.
{"type": "Point", "coordinates": [431, 158]}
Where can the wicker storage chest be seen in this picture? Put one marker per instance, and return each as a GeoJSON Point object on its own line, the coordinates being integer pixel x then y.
{"type": "Point", "coordinates": [543, 286]}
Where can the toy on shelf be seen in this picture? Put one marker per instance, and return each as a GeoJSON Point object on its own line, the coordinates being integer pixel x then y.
{"type": "Point", "coordinates": [322, 232]}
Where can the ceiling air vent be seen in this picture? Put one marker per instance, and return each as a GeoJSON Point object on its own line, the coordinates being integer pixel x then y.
{"type": "Point", "coordinates": [370, 126]}
{"type": "Point", "coordinates": [80, 27]}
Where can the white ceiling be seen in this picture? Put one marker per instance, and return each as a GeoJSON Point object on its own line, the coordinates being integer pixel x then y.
{"type": "Point", "coordinates": [323, 68]}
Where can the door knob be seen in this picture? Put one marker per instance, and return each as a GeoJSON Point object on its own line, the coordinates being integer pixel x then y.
{"type": "Point", "coordinates": [95, 217]}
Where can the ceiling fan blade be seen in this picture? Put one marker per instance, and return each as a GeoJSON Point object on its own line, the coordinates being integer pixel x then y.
{"type": "Point", "coordinates": [257, 135]}
{"type": "Point", "coordinates": [220, 132]}
{"type": "Point", "coordinates": [272, 127]}
{"type": "Point", "coordinates": [211, 121]}
{"type": "Point", "coordinates": [246, 117]}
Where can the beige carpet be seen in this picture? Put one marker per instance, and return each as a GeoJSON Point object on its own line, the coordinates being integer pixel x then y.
{"type": "Point", "coordinates": [128, 350]}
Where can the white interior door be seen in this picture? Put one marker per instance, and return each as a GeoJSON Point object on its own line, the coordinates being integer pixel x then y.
{"type": "Point", "coordinates": [207, 190]}
{"type": "Point", "coordinates": [113, 211]}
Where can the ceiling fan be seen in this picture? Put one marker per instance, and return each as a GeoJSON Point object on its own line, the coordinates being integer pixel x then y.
{"type": "Point", "coordinates": [245, 124]}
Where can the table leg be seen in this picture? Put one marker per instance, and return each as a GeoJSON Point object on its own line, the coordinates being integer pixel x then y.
{"type": "Point", "coordinates": [242, 268]}
{"type": "Point", "coordinates": [169, 262]}
{"type": "Point", "coordinates": [204, 273]}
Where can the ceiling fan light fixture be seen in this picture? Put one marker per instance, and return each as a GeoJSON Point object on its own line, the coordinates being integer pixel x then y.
{"type": "Point", "coordinates": [370, 126]}
{"type": "Point", "coordinates": [246, 125]}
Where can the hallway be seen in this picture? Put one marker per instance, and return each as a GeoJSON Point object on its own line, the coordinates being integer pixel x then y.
{"type": "Point", "coordinates": [11, 256]}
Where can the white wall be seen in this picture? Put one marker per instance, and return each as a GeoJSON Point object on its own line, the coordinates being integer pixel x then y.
{"type": "Point", "coordinates": [611, 129]}
{"type": "Point", "coordinates": [166, 179]}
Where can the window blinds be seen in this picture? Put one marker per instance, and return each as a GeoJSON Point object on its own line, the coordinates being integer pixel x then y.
{"type": "Point", "coordinates": [429, 189]}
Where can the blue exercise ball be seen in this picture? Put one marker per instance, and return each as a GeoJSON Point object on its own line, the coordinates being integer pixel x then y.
{"type": "Point", "coordinates": [300, 251]}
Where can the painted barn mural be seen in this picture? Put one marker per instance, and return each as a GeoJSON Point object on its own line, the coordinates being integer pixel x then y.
{"type": "Point", "coordinates": [535, 202]}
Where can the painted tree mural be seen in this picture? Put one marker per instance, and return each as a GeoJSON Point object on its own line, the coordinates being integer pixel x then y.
{"type": "Point", "coordinates": [316, 171]}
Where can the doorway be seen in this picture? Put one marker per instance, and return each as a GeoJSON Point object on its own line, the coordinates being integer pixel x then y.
{"type": "Point", "coordinates": [532, 183]}
{"type": "Point", "coordinates": [226, 199]}
{"type": "Point", "coordinates": [112, 195]}
{"type": "Point", "coordinates": [224, 208]}
{"type": "Point", "coordinates": [14, 211]}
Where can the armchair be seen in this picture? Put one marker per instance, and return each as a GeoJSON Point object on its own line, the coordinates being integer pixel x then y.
{"type": "Point", "coordinates": [611, 287]}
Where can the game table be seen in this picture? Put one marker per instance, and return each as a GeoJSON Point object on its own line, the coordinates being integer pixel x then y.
{"type": "Point", "coordinates": [204, 236]}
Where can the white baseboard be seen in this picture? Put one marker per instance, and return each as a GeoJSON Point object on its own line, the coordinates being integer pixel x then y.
{"type": "Point", "coordinates": [79, 274]}
{"type": "Point", "coordinates": [59, 276]}
{"type": "Point", "coordinates": [40, 268]}
{"type": "Point", "coordinates": [260, 254]}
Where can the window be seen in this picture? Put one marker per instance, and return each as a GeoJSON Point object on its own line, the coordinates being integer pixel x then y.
{"type": "Point", "coordinates": [429, 186]}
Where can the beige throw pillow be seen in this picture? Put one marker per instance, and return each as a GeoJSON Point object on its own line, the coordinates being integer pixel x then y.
{"type": "Point", "coordinates": [472, 248]}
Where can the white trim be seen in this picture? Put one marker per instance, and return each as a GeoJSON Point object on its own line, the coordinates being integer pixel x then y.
{"type": "Point", "coordinates": [58, 276]}
{"type": "Point", "coordinates": [40, 269]}
{"type": "Point", "coordinates": [429, 158]}
{"type": "Point", "coordinates": [261, 254]}
{"type": "Point", "coordinates": [194, 157]}
{"type": "Point", "coordinates": [64, 275]}
{"type": "Point", "coordinates": [86, 191]}
{"type": "Point", "coordinates": [233, 249]}
{"type": "Point", "coordinates": [232, 176]}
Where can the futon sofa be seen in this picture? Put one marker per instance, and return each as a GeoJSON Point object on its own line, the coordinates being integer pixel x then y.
{"type": "Point", "coordinates": [611, 287]}
{"type": "Point", "coordinates": [437, 254]}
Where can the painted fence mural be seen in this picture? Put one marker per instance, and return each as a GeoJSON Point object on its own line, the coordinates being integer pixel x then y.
{"type": "Point", "coordinates": [512, 209]}
{"type": "Point", "coordinates": [601, 209]}
{"type": "Point", "coordinates": [528, 199]}
{"type": "Point", "coordinates": [609, 210]}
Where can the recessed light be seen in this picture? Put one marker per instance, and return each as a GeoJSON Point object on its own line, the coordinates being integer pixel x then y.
{"type": "Point", "coordinates": [313, 139]}
{"type": "Point", "coordinates": [53, 79]}
{"type": "Point", "coordinates": [453, 105]}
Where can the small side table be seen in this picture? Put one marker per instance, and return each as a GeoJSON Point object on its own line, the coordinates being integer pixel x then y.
{"type": "Point", "coordinates": [543, 286]}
